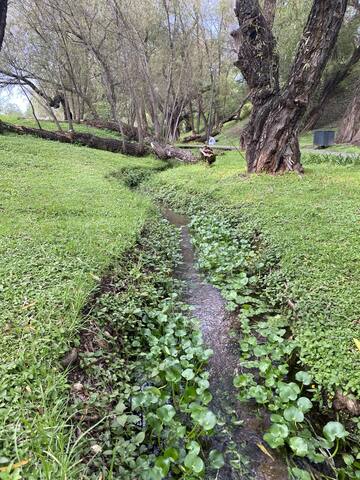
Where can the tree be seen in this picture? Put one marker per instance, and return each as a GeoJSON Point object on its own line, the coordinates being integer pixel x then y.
{"type": "Point", "coordinates": [3, 13]}
{"type": "Point", "coordinates": [349, 131]}
{"type": "Point", "coordinates": [271, 137]}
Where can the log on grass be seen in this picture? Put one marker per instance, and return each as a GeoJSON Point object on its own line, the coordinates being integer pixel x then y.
{"type": "Point", "coordinates": [84, 139]}
{"type": "Point", "coordinates": [202, 138]}
{"type": "Point", "coordinates": [123, 128]}
{"type": "Point", "coordinates": [166, 152]}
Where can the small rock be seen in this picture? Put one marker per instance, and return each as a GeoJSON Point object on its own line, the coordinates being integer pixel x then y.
{"type": "Point", "coordinates": [78, 387]}
{"type": "Point", "coordinates": [69, 358]}
{"type": "Point", "coordinates": [347, 402]}
{"type": "Point", "coordinates": [96, 449]}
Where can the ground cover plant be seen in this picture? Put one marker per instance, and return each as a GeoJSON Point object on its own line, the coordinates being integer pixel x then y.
{"type": "Point", "coordinates": [64, 219]}
{"type": "Point", "coordinates": [311, 225]}
{"type": "Point", "coordinates": [142, 372]}
{"type": "Point", "coordinates": [235, 262]}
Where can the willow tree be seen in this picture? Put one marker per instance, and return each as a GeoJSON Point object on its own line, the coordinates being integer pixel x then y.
{"type": "Point", "coordinates": [271, 137]}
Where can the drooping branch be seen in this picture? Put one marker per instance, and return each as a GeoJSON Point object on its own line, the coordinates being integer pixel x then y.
{"type": "Point", "coordinates": [316, 46]}
{"type": "Point", "coordinates": [349, 131]}
{"type": "Point", "coordinates": [336, 78]}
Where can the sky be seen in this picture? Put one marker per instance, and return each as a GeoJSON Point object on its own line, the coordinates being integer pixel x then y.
{"type": "Point", "coordinates": [13, 96]}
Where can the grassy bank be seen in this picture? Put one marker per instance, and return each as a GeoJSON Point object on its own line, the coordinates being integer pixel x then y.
{"type": "Point", "coordinates": [51, 126]}
{"type": "Point", "coordinates": [64, 220]}
{"type": "Point", "coordinates": [311, 225]}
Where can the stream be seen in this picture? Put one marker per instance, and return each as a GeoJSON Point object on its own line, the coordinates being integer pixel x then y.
{"type": "Point", "coordinates": [243, 426]}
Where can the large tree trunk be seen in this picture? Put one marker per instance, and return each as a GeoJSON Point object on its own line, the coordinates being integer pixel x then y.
{"type": "Point", "coordinates": [349, 131]}
{"type": "Point", "coordinates": [3, 13]}
{"type": "Point", "coordinates": [271, 137]}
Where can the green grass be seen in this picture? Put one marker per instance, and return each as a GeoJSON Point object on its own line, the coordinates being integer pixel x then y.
{"type": "Point", "coordinates": [51, 126]}
{"type": "Point", "coordinates": [64, 220]}
{"type": "Point", "coordinates": [312, 224]}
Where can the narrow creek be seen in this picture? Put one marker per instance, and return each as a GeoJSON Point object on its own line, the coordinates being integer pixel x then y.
{"type": "Point", "coordinates": [243, 425]}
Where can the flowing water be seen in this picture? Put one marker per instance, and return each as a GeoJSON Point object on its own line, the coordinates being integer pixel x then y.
{"type": "Point", "coordinates": [243, 424]}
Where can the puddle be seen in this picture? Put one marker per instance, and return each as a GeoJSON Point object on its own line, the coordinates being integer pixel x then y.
{"type": "Point", "coordinates": [216, 322]}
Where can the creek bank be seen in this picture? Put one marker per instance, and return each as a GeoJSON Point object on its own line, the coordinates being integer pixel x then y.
{"type": "Point", "coordinates": [140, 389]}
{"type": "Point", "coordinates": [317, 443]}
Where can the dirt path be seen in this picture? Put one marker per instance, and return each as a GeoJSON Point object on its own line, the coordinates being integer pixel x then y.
{"type": "Point", "coordinates": [209, 307]}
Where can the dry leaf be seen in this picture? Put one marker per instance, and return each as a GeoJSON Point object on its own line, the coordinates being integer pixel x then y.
{"type": "Point", "coordinates": [14, 466]}
{"type": "Point", "coordinates": [265, 450]}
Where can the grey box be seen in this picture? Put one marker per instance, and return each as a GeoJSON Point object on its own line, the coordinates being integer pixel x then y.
{"type": "Point", "coordinates": [324, 138]}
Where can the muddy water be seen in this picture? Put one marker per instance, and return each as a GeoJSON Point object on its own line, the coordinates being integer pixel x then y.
{"type": "Point", "coordinates": [243, 425]}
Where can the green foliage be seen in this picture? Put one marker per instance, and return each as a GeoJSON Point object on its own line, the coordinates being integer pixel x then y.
{"type": "Point", "coordinates": [309, 227]}
{"type": "Point", "coordinates": [64, 220]}
{"type": "Point", "coordinates": [232, 264]}
{"type": "Point", "coordinates": [145, 374]}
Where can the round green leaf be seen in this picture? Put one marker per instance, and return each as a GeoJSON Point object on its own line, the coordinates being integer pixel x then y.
{"type": "Point", "coordinates": [304, 404]}
{"type": "Point", "coordinates": [242, 380]}
{"type": "Point", "coordinates": [299, 446]}
{"type": "Point", "coordinates": [299, 474]}
{"type": "Point", "coordinates": [188, 374]}
{"type": "Point", "coordinates": [166, 413]}
{"type": "Point", "coordinates": [216, 459]}
{"type": "Point", "coordinates": [303, 377]}
{"type": "Point", "coordinates": [293, 414]}
{"type": "Point", "coordinates": [207, 420]}
{"type": "Point", "coordinates": [288, 391]}
{"type": "Point", "coordinates": [194, 463]}
{"type": "Point", "coordinates": [333, 430]}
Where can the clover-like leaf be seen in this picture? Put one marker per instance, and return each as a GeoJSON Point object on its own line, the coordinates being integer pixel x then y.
{"type": "Point", "coordinates": [216, 459]}
{"type": "Point", "coordinates": [288, 391]}
{"type": "Point", "coordinates": [333, 430]}
{"type": "Point", "coordinates": [299, 474]}
{"type": "Point", "coordinates": [194, 463]}
{"type": "Point", "coordinates": [242, 380]}
{"type": "Point", "coordinates": [293, 414]}
{"type": "Point", "coordinates": [166, 413]}
{"type": "Point", "coordinates": [303, 377]}
{"type": "Point", "coordinates": [188, 374]}
{"type": "Point", "coordinates": [207, 420]}
{"type": "Point", "coordinates": [304, 404]}
{"type": "Point", "coordinates": [299, 446]}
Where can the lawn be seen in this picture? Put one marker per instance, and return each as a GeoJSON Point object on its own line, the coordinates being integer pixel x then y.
{"type": "Point", "coordinates": [312, 224]}
{"type": "Point", "coordinates": [64, 221]}
{"type": "Point", "coordinates": [50, 125]}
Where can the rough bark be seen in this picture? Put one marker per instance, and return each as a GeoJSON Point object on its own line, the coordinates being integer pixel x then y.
{"type": "Point", "coordinates": [271, 138]}
{"type": "Point", "coordinates": [349, 131]}
{"type": "Point", "coordinates": [269, 10]}
{"type": "Point", "coordinates": [339, 76]}
{"type": "Point", "coordinates": [166, 152]}
{"type": "Point", "coordinates": [3, 14]}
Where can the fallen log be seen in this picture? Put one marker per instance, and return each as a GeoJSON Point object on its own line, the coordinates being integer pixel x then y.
{"type": "Point", "coordinates": [200, 137]}
{"type": "Point", "coordinates": [84, 139]}
{"type": "Point", "coordinates": [164, 152]}
{"type": "Point", "coordinates": [122, 128]}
